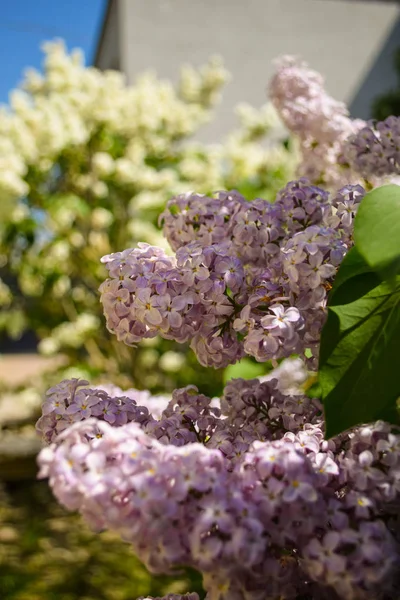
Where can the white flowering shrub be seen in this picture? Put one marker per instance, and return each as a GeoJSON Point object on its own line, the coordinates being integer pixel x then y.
{"type": "Point", "coordinates": [86, 165]}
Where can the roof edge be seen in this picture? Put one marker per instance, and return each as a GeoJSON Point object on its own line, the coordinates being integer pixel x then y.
{"type": "Point", "coordinates": [102, 34]}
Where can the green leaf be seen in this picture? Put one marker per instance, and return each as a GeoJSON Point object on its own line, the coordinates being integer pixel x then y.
{"type": "Point", "coordinates": [353, 264]}
{"type": "Point", "coordinates": [245, 369]}
{"type": "Point", "coordinates": [377, 230]}
{"type": "Point", "coordinates": [314, 391]}
{"type": "Point", "coordinates": [360, 350]}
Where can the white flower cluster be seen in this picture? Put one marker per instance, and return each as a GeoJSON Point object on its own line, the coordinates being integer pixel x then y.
{"type": "Point", "coordinates": [69, 104]}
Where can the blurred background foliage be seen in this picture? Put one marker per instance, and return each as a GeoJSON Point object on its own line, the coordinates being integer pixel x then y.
{"type": "Point", "coordinates": [49, 554]}
{"type": "Point", "coordinates": [87, 163]}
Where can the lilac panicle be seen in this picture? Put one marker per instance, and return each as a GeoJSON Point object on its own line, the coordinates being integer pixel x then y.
{"type": "Point", "coordinates": [374, 151]}
{"type": "Point", "coordinates": [238, 488]}
{"type": "Point", "coordinates": [321, 123]}
{"type": "Point", "coordinates": [248, 277]}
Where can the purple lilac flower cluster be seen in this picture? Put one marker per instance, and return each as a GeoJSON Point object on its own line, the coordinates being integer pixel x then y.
{"type": "Point", "coordinates": [187, 297]}
{"type": "Point", "coordinates": [70, 402]}
{"type": "Point", "coordinates": [254, 229]}
{"type": "Point", "coordinates": [244, 489]}
{"type": "Point", "coordinates": [374, 151]}
{"type": "Point", "coordinates": [289, 250]}
{"type": "Point", "coordinates": [321, 123]}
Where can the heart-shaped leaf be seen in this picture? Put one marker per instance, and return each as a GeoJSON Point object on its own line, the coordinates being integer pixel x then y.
{"type": "Point", "coordinates": [360, 348]}
{"type": "Point", "coordinates": [377, 230]}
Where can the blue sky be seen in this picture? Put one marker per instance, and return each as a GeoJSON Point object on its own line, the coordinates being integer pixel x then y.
{"type": "Point", "coordinates": [25, 24]}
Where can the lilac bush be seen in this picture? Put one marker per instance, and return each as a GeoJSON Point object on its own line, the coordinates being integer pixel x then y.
{"type": "Point", "coordinates": [245, 488]}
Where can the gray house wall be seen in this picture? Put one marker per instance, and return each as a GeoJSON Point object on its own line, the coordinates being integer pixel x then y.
{"type": "Point", "coordinates": [380, 75]}
{"type": "Point", "coordinates": [344, 40]}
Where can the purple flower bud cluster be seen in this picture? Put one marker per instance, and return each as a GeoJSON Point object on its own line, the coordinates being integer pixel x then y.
{"type": "Point", "coordinates": [345, 205]}
{"type": "Point", "coordinates": [301, 275]}
{"type": "Point", "coordinates": [245, 489]}
{"type": "Point", "coordinates": [290, 251]}
{"type": "Point", "coordinates": [321, 123]}
{"type": "Point", "coordinates": [252, 231]}
{"type": "Point", "coordinates": [70, 402]}
{"type": "Point", "coordinates": [189, 417]}
{"type": "Point", "coordinates": [259, 289]}
{"type": "Point", "coordinates": [187, 297]}
{"type": "Point", "coordinates": [374, 151]}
